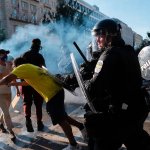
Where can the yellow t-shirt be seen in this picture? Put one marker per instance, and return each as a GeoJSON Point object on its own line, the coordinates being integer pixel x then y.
{"type": "Point", "coordinates": [39, 79]}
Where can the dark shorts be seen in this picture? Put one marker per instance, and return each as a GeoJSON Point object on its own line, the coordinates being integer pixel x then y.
{"type": "Point", "coordinates": [56, 109]}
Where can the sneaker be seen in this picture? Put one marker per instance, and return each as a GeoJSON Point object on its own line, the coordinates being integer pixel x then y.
{"type": "Point", "coordinates": [2, 128]}
{"type": "Point", "coordinates": [29, 125]}
{"type": "Point", "coordinates": [40, 126]}
{"type": "Point", "coordinates": [84, 134]}
{"type": "Point", "coordinates": [71, 147]}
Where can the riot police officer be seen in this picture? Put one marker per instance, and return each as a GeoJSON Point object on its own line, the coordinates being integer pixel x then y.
{"type": "Point", "coordinates": [115, 90]}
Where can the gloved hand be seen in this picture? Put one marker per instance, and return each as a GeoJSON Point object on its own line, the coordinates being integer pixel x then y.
{"type": "Point", "coordinates": [89, 66]}
{"type": "Point", "coordinates": [87, 69]}
{"type": "Point", "coordinates": [59, 76]}
{"type": "Point", "coordinates": [68, 81]}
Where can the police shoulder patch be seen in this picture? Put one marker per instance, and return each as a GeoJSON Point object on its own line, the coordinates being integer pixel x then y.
{"type": "Point", "coordinates": [98, 66]}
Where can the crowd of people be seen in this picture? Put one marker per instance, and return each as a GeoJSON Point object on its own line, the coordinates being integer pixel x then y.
{"type": "Point", "coordinates": [46, 89]}
{"type": "Point", "coordinates": [113, 81]}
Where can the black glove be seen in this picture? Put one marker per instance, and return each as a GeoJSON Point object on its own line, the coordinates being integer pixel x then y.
{"type": "Point", "coordinates": [87, 69]}
{"type": "Point", "coordinates": [69, 82]}
{"type": "Point", "coordinates": [71, 79]}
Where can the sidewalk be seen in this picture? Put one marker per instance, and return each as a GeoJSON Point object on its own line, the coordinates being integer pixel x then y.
{"type": "Point", "coordinates": [52, 138]}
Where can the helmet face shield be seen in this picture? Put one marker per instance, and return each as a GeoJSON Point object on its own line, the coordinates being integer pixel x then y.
{"type": "Point", "coordinates": [106, 27]}
{"type": "Point", "coordinates": [99, 41]}
{"type": "Point", "coordinates": [96, 51]}
{"type": "Point", "coordinates": [94, 44]}
{"type": "Point", "coordinates": [103, 33]}
{"type": "Point", "coordinates": [98, 32]}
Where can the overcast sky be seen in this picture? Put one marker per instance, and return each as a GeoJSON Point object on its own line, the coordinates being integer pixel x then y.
{"type": "Point", "coordinates": [135, 13]}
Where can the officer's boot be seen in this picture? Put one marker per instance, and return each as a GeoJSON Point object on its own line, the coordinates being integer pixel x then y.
{"type": "Point", "coordinates": [29, 125]}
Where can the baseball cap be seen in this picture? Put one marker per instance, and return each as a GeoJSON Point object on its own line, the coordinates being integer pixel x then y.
{"type": "Point", "coordinates": [2, 51]}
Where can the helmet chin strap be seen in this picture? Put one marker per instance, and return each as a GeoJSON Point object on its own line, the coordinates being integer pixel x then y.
{"type": "Point", "coordinates": [107, 40]}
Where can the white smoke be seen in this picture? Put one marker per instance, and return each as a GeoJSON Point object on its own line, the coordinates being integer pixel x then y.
{"type": "Point", "coordinates": [51, 42]}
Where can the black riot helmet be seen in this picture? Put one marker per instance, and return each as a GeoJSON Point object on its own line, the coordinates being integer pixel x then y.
{"type": "Point", "coordinates": [107, 27]}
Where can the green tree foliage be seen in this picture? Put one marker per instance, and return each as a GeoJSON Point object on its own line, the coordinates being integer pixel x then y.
{"type": "Point", "coordinates": [68, 12]}
{"type": "Point", "coordinates": [69, 15]}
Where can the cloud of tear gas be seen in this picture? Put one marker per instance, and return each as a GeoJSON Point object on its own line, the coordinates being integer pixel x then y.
{"type": "Point", "coordinates": [52, 37]}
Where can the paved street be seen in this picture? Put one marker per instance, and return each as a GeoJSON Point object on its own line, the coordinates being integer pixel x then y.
{"type": "Point", "coordinates": [52, 138]}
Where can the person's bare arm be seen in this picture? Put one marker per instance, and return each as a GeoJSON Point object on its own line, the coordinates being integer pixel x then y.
{"type": "Point", "coordinates": [22, 83]}
{"type": "Point", "coordinates": [7, 79]}
{"type": "Point", "coordinates": [17, 87]}
{"type": "Point", "coordinates": [17, 90]}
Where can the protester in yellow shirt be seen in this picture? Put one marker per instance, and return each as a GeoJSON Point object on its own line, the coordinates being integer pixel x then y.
{"type": "Point", "coordinates": [52, 92]}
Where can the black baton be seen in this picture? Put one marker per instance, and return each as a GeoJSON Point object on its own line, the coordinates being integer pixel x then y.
{"type": "Point", "coordinates": [79, 50]}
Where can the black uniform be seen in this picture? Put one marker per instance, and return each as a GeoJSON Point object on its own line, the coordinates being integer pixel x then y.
{"type": "Point", "coordinates": [116, 92]}
{"type": "Point", "coordinates": [30, 94]}
{"type": "Point", "coordinates": [34, 57]}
